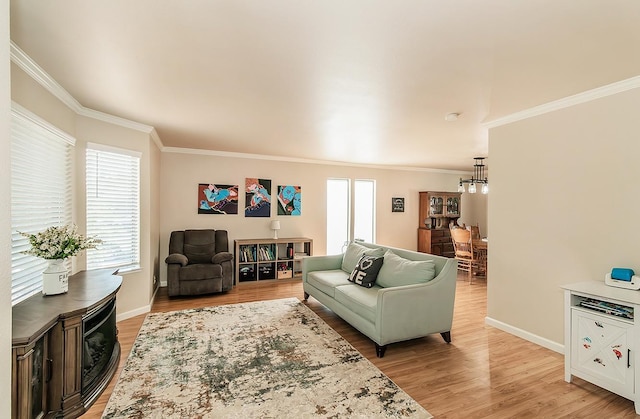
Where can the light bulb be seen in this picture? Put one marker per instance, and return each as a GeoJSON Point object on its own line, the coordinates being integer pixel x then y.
{"type": "Point", "coordinates": [485, 188]}
{"type": "Point", "coordinates": [460, 187]}
{"type": "Point", "coordinates": [472, 188]}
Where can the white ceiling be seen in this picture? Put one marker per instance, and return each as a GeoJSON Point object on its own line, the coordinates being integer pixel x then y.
{"type": "Point", "coordinates": [361, 81]}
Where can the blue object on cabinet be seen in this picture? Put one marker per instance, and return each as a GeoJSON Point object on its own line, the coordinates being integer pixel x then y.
{"type": "Point", "coordinates": [622, 274]}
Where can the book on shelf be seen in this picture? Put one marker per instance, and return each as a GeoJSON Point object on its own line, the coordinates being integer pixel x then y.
{"type": "Point", "coordinates": [266, 253]}
{"type": "Point", "coordinates": [247, 254]}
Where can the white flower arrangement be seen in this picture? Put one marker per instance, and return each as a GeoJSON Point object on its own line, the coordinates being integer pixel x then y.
{"type": "Point", "coordinates": [59, 242]}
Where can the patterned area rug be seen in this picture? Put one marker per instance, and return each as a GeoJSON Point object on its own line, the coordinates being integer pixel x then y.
{"type": "Point", "coordinates": [268, 359]}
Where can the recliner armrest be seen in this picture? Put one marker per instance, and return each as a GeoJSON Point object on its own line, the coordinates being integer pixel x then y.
{"type": "Point", "coordinates": [218, 258]}
{"type": "Point", "coordinates": [177, 258]}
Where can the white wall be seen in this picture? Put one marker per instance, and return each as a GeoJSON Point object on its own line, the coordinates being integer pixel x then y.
{"type": "Point", "coordinates": [31, 95]}
{"type": "Point", "coordinates": [181, 174]}
{"type": "Point", "coordinates": [135, 294]}
{"type": "Point", "coordinates": [474, 211]}
{"type": "Point", "coordinates": [563, 208]}
{"type": "Point", "coordinates": [5, 211]}
{"type": "Point", "coordinates": [154, 217]}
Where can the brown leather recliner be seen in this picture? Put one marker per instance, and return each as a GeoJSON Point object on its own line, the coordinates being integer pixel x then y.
{"type": "Point", "coordinates": [199, 262]}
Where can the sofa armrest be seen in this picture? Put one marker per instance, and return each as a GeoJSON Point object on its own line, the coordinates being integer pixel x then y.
{"type": "Point", "coordinates": [419, 309]}
{"type": "Point", "coordinates": [320, 263]}
{"type": "Point", "coordinates": [218, 258]}
{"type": "Point", "coordinates": [177, 258]}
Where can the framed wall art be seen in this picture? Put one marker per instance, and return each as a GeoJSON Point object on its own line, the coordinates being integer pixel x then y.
{"type": "Point", "coordinates": [257, 197]}
{"type": "Point", "coordinates": [289, 200]}
{"type": "Point", "coordinates": [217, 199]}
{"type": "Point", "coordinates": [397, 204]}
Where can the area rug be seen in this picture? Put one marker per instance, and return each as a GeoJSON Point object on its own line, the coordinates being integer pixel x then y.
{"type": "Point", "coordinates": [267, 359]}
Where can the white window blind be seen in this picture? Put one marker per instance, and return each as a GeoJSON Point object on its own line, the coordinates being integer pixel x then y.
{"type": "Point", "coordinates": [113, 207]}
{"type": "Point", "coordinates": [41, 193]}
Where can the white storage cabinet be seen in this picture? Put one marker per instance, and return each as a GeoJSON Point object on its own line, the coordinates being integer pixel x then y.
{"type": "Point", "coordinates": [601, 337]}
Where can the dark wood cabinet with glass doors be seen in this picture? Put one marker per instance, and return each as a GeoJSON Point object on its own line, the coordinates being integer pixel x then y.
{"type": "Point", "coordinates": [436, 211]}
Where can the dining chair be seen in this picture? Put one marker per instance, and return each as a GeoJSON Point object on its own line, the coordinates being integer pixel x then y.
{"type": "Point", "coordinates": [480, 251]}
{"type": "Point", "coordinates": [475, 232]}
{"type": "Point", "coordinates": [463, 248]}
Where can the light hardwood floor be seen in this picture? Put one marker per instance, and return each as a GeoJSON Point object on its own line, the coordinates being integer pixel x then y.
{"type": "Point", "coordinates": [483, 373]}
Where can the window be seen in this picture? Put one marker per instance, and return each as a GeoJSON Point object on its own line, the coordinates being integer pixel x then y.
{"type": "Point", "coordinates": [364, 210]}
{"type": "Point", "coordinates": [113, 207]}
{"type": "Point", "coordinates": [341, 215]}
{"type": "Point", "coordinates": [338, 199]}
{"type": "Point", "coordinates": [41, 193]}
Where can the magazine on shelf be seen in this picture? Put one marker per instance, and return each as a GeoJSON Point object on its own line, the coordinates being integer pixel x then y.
{"type": "Point", "coordinates": [608, 308]}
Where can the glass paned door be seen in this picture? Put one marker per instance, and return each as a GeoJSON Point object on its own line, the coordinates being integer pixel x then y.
{"type": "Point", "coordinates": [338, 209]}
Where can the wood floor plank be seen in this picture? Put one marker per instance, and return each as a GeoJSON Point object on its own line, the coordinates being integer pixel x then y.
{"type": "Point", "coordinates": [483, 373]}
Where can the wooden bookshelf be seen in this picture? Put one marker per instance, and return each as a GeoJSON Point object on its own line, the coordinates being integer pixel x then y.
{"type": "Point", "coordinates": [270, 259]}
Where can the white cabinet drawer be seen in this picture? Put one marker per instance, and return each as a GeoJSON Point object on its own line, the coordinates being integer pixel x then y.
{"type": "Point", "coordinates": [600, 348]}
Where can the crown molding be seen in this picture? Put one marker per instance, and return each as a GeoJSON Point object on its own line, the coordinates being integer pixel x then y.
{"type": "Point", "coordinates": [22, 60]}
{"type": "Point", "coordinates": [588, 96]}
{"type": "Point", "coordinates": [156, 139]}
{"type": "Point", "coordinates": [115, 120]}
{"type": "Point", "coordinates": [20, 112]}
{"type": "Point", "coordinates": [230, 154]}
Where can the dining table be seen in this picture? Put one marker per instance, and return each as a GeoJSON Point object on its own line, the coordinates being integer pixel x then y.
{"type": "Point", "coordinates": [481, 244]}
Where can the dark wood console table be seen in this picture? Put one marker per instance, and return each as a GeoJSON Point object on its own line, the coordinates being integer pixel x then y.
{"type": "Point", "coordinates": [51, 356]}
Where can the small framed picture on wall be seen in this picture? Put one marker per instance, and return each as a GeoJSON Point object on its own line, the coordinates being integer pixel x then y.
{"type": "Point", "coordinates": [397, 204]}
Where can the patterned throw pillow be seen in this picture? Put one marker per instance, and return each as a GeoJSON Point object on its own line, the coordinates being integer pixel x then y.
{"type": "Point", "coordinates": [366, 271]}
{"type": "Point", "coordinates": [354, 252]}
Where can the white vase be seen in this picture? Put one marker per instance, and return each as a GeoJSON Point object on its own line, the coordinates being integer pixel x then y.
{"type": "Point", "coordinates": [55, 279]}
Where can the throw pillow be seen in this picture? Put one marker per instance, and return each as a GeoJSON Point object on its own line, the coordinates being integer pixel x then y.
{"type": "Point", "coordinates": [366, 271]}
{"type": "Point", "coordinates": [398, 271]}
{"type": "Point", "coordinates": [353, 254]}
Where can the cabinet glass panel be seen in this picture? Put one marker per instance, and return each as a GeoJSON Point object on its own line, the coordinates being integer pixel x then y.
{"type": "Point", "coordinates": [453, 206]}
{"type": "Point", "coordinates": [436, 205]}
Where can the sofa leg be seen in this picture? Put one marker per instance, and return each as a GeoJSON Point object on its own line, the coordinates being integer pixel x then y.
{"type": "Point", "coordinates": [306, 296]}
{"type": "Point", "coordinates": [380, 350]}
{"type": "Point", "coordinates": [446, 336]}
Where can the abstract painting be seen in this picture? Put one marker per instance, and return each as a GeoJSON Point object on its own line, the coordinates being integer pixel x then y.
{"type": "Point", "coordinates": [257, 197]}
{"type": "Point", "coordinates": [289, 200]}
{"type": "Point", "coordinates": [217, 199]}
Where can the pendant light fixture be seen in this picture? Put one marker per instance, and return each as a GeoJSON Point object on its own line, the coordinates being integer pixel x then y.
{"type": "Point", "coordinates": [478, 177]}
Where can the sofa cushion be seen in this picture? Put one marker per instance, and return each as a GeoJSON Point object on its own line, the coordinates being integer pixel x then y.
{"type": "Point", "coordinates": [366, 271]}
{"type": "Point", "coordinates": [397, 271]}
{"type": "Point", "coordinates": [360, 300]}
{"type": "Point", "coordinates": [327, 281]}
{"type": "Point", "coordinates": [353, 254]}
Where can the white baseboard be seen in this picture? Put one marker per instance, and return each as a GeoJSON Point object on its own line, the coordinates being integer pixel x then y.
{"type": "Point", "coordinates": [538, 340]}
{"type": "Point", "coordinates": [137, 311]}
{"type": "Point", "coordinates": [133, 313]}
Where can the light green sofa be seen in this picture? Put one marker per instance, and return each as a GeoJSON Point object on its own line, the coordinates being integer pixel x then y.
{"type": "Point", "coordinates": [386, 314]}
